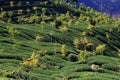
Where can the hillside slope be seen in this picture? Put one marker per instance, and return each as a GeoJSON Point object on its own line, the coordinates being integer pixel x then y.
{"type": "Point", "coordinates": [43, 46]}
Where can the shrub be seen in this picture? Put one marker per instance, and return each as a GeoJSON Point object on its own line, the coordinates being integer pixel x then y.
{"type": "Point", "coordinates": [83, 44]}
{"type": "Point", "coordinates": [3, 14]}
{"type": "Point", "coordinates": [12, 31]}
{"type": "Point", "coordinates": [84, 33]}
{"type": "Point", "coordinates": [100, 49]}
{"type": "Point", "coordinates": [33, 61]}
{"type": "Point", "coordinates": [87, 44]}
{"type": "Point", "coordinates": [19, 11]}
{"type": "Point", "coordinates": [63, 29]}
{"type": "Point", "coordinates": [63, 50]}
{"type": "Point", "coordinates": [91, 27]}
{"type": "Point", "coordinates": [118, 50]}
{"type": "Point", "coordinates": [38, 37]}
{"type": "Point", "coordinates": [42, 25]}
{"type": "Point", "coordinates": [83, 55]}
{"type": "Point", "coordinates": [11, 3]}
{"type": "Point", "coordinates": [76, 42]}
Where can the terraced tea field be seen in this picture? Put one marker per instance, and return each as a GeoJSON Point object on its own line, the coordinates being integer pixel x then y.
{"type": "Point", "coordinates": [52, 42]}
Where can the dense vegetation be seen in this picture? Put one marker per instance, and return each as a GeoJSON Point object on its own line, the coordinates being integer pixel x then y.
{"type": "Point", "coordinates": [54, 40]}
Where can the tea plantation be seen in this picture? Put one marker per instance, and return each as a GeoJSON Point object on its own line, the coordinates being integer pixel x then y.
{"type": "Point", "coordinates": [55, 40]}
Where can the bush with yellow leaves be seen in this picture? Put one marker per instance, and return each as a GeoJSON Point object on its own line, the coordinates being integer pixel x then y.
{"type": "Point", "coordinates": [34, 60]}
{"type": "Point", "coordinates": [63, 50]}
{"type": "Point", "coordinates": [83, 44]}
{"type": "Point", "coordinates": [91, 27]}
{"type": "Point", "coordinates": [118, 50]}
{"type": "Point", "coordinates": [38, 37]}
{"type": "Point", "coordinates": [63, 29]}
{"type": "Point", "coordinates": [76, 42]}
{"type": "Point", "coordinates": [100, 49]}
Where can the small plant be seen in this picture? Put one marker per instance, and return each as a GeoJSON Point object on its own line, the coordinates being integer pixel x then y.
{"type": "Point", "coordinates": [12, 32]}
{"type": "Point", "coordinates": [107, 36]}
{"type": "Point", "coordinates": [1, 9]}
{"type": "Point", "coordinates": [9, 20]}
{"type": "Point", "coordinates": [69, 23]}
{"type": "Point", "coordinates": [63, 50]}
{"type": "Point", "coordinates": [63, 29]}
{"type": "Point", "coordinates": [76, 42]}
{"type": "Point", "coordinates": [35, 9]}
{"type": "Point", "coordinates": [3, 14]}
{"type": "Point", "coordinates": [86, 44]}
{"type": "Point", "coordinates": [81, 17]}
{"type": "Point", "coordinates": [84, 33]}
{"type": "Point", "coordinates": [11, 3]}
{"type": "Point", "coordinates": [110, 30]}
{"type": "Point", "coordinates": [84, 40]}
{"type": "Point", "coordinates": [83, 54]}
{"type": "Point", "coordinates": [28, 11]}
{"type": "Point", "coordinates": [67, 15]}
{"type": "Point", "coordinates": [52, 24]}
{"type": "Point", "coordinates": [38, 37]}
{"type": "Point", "coordinates": [19, 11]}
{"type": "Point", "coordinates": [10, 14]}
{"type": "Point", "coordinates": [43, 11]}
{"type": "Point", "coordinates": [91, 27]}
{"type": "Point", "coordinates": [42, 25]}
{"type": "Point", "coordinates": [118, 50]}
{"type": "Point", "coordinates": [34, 59]}
{"type": "Point", "coordinates": [30, 62]}
{"type": "Point", "coordinates": [77, 23]}
{"type": "Point", "coordinates": [83, 44]}
{"type": "Point", "coordinates": [100, 49]}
